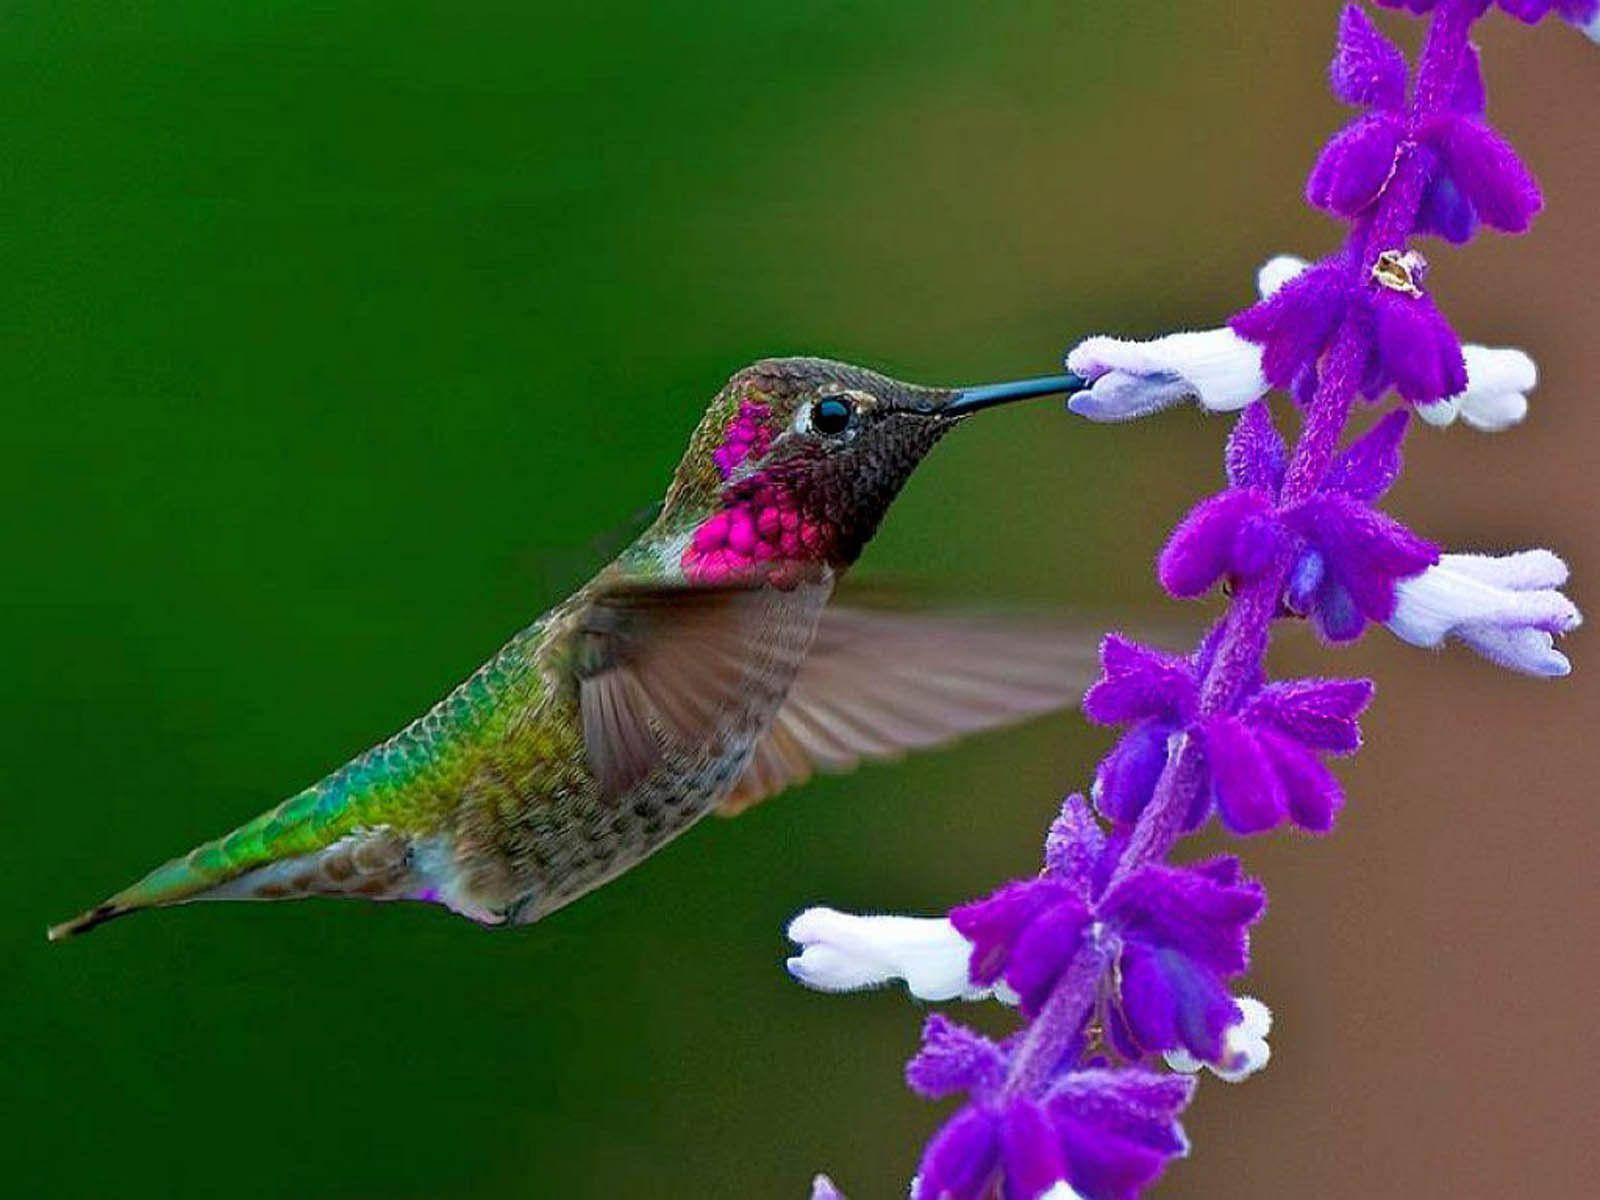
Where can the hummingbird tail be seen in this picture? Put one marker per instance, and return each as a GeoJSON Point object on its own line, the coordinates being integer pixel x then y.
{"type": "Point", "coordinates": [294, 850]}
{"type": "Point", "coordinates": [171, 883]}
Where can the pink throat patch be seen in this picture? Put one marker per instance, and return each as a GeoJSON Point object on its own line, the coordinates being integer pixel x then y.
{"type": "Point", "coordinates": [763, 528]}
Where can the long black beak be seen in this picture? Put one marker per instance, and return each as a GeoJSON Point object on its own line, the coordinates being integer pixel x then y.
{"type": "Point", "coordinates": [974, 399]}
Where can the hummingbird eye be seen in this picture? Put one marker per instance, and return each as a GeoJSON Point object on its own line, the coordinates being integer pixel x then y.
{"type": "Point", "coordinates": [832, 415]}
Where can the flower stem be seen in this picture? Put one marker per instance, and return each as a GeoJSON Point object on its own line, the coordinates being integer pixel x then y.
{"type": "Point", "coordinates": [1056, 1027]}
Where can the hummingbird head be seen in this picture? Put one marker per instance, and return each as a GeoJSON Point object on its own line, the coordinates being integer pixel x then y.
{"type": "Point", "coordinates": [797, 460]}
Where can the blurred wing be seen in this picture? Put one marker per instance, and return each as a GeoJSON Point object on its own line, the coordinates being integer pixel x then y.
{"type": "Point", "coordinates": [876, 685]}
{"type": "Point", "coordinates": [664, 672]}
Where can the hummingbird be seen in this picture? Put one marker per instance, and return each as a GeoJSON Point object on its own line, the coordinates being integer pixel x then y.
{"type": "Point", "coordinates": [704, 669]}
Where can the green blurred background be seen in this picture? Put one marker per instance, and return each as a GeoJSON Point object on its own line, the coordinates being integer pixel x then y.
{"type": "Point", "coordinates": [337, 332]}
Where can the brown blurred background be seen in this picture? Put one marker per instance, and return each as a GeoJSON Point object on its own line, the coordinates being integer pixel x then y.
{"type": "Point", "coordinates": [336, 332]}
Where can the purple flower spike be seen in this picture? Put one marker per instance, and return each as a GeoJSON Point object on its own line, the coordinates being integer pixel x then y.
{"type": "Point", "coordinates": [823, 1188]}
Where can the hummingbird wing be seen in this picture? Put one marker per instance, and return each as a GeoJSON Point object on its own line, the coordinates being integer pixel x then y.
{"type": "Point", "coordinates": [876, 685]}
{"type": "Point", "coordinates": [668, 672]}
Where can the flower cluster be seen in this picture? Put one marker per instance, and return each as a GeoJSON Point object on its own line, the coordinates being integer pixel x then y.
{"type": "Point", "coordinates": [1122, 963]}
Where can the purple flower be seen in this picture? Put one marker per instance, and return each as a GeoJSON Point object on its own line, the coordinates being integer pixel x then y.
{"type": "Point", "coordinates": [1347, 556]}
{"type": "Point", "coordinates": [1026, 933]}
{"type": "Point", "coordinates": [1410, 346]}
{"type": "Point", "coordinates": [1262, 764]}
{"type": "Point", "coordinates": [1097, 1135]}
{"type": "Point", "coordinates": [1177, 936]}
{"type": "Point", "coordinates": [1473, 174]}
{"type": "Point", "coordinates": [1157, 695]}
{"type": "Point", "coordinates": [1469, 174]}
{"type": "Point", "coordinates": [1181, 933]}
{"type": "Point", "coordinates": [1265, 763]}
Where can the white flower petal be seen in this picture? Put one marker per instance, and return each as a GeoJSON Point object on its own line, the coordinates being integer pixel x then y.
{"type": "Point", "coordinates": [1061, 1191]}
{"type": "Point", "coordinates": [1119, 396]}
{"type": "Point", "coordinates": [1522, 571]}
{"type": "Point", "coordinates": [1593, 28]}
{"type": "Point", "coordinates": [1499, 379]}
{"type": "Point", "coordinates": [1244, 1046]}
{"type": "Point", "coordinates": [1498, 382]}
{"type": "Point", "coordinates": [1506, 608]}
{"type": "Point", "coordinates": [1217, 367]}
{"type": "Point", "coordinates": [842, 952]}
{"type": "Point", "coordinates": [1531, 651]}
{"type": "Point", "coordinates": [1276, 272]}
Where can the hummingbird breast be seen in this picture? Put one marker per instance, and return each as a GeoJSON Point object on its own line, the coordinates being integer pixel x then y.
{"type": "Point", "coordinates": [534, 829]}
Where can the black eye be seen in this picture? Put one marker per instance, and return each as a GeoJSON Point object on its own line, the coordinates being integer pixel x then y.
{"type": "Point", "coordinates": [832, 415]}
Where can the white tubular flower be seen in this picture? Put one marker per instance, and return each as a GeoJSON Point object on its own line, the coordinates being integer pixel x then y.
{"type": "Point", "coordinates": [1244, 1047]}
{"type": "Point", "coordinates": [842, 952]}
{"type": "Point", "coordinates": [1507, 608]}
{"type": "Point", "coordinates": [1498, 382]}
{"type": "Point", "coordinates": [1593, 28]}
{"type": "Point", "coordinates": [1216, 367]}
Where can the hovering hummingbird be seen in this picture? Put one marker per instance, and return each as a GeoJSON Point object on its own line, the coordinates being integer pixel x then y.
{"type": "Point", "coordinates": [703, 669]}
